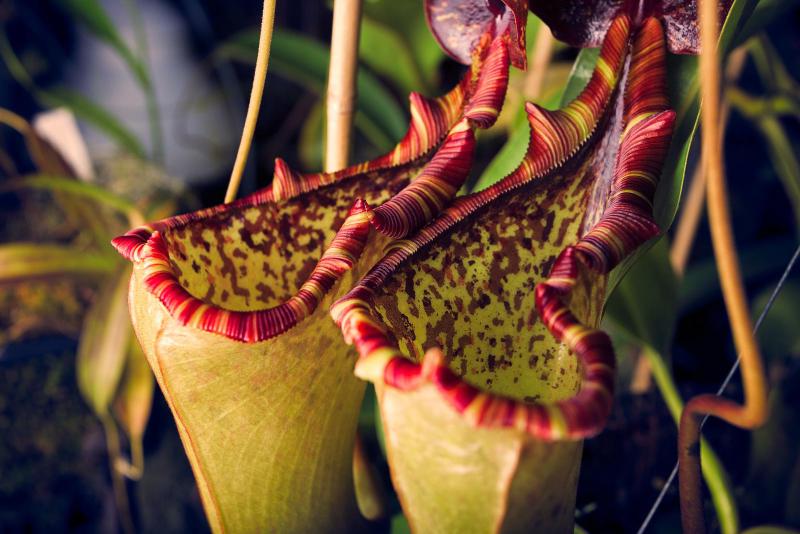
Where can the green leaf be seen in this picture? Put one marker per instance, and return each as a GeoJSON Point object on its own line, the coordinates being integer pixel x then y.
{"type": "Point", "coordinates": [765, 12]}
{"type": "Point", "coordinates": [311, 144]}
{"type": "Point", "coordinates": [96, 115]}
{"type": "Point", "coordinates": [26, 261]}
{"type": "Point", "coordinates": [133, 403]}
{"type": "Point", "coordinates": [512, 152]}
{"type": "Point", "coordinates": [717, 479]}
{"type": "Point", "coordinates": [581, 72]}
{"type": "Point", "coordinates": [104, 343]}
{"type": "Point", "coordinates": [399, 525]}
{"type": "Point", "coordinates": [645, 303]}
{"type": "Point", "coordinates": [775, 451]}
{"type": "Point", "coordinates": [770, 529]}
{"type": "Point", "coordinates": [73, 187]}
{"type": "Point", "coordinates": [685, 91]}
{"type": "Point", "coordinates": [779, 335]}
{"type": "Point", "coordinates": [136, 392]}
{"type": "Point", "coordinates": [509, 156]}
{"type": "Point", "coordinates": [91, 14]}
{"type": "Point", "coordinates": [368, 485]}
{"type": "Point", "coordinates": [784, 161]}
{"type": "Point", "coordinates": [305, 62]}
{"type": "Point", "coordinates": [407, 20]}
{"type": "Point", "coordinates": [388, 53]}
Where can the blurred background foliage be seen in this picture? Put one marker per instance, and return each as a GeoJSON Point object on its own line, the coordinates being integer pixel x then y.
{"type": "Point", "coordinates": [117, 112]}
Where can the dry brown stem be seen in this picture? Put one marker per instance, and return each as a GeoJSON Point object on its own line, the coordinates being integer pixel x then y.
{"type": "Point", "coordinates": [754, 410]}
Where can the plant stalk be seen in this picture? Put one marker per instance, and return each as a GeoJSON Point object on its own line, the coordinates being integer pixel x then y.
{"type": "Point", "coordinates": [341, 104]}
{"type": "Point", "coordinates": [542, 54]}
{"type": "Point", "coordinates": [754, 410]}
{"type": "Point", "coordinates": [117, 481]}
{"type": "Point", "coordinates": [256, 94]}
{"type": "Point", "coordinates": [341, 96]}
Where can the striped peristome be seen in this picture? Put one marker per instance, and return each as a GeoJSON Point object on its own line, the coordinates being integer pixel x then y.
{"type": "Point", "coordinates": [560, 142]}
{"type": "Point", "coordinates": [558, 135]}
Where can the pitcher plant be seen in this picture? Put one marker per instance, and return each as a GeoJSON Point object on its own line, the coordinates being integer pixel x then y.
{"type": "Point", "coordinates": [475, 317]}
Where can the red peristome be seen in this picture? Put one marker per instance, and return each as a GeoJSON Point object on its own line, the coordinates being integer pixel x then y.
{"type": "Point", "coordinates": [258, 325]}
{"type": "Point", "coordinates": [490, 91]}
{"type": "Point", "coordinates": [402, 374]}
{"type": "Point", "coordinates": [646, 91]}
{"type": "Point", "coordinates": [537, 421]}
{"type": "Point", "coordinates": [432, 189]}
{"type": "Point", "coordinates": [626, 223]}
{"type": "Point", "coordinates": [558, 135]}
{"type": "Point", "coordinates": [462, 395]}
{"type": "Point", "coordinates": [241, 326]}
{"type": "Point", "coordinates": [628, 220]}
{"type": "Point", "coordinates": [131, 244]}
{"type": "Point", "coordinates": [585, 411]}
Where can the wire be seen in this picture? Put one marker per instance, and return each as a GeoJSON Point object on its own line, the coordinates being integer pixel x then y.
{"type": "Point", "coordinates": [724, 385]}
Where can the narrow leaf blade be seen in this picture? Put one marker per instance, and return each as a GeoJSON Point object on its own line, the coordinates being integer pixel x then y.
{"type": "Point", "coordinates": [104, 343]}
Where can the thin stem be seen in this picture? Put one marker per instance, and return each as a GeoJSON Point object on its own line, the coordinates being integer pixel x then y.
{"type": "Point", "coordinates": [754, 411]}
{"type": "Point", "coordinates": [117, 481]}
{"type": "Point", "coordinates": [137, 456]}
{"type": "Point", "coordinates": [134, 468]}
{"type": "Point", "coordinates": [771, 69]}
{"type": "Point", "coordinates": [542, 54]}
{"type": "Point", "coordinates": [257, 92]}
{"type": "Point", "coordinates": [342, 72]}
{"type": "Point", "coordinates": [713, 470]}
{"type": "Point", "coordinates": [153, 111]}
{"type": "Point", "coordinates": [686, 229]}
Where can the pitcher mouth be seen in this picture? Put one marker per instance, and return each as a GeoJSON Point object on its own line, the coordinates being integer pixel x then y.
{"type": "Point", "coordinates": [582, 396]}
{"type": "Point", "coordinates": [550, 288]}
{"type": "Point", "coordinates": [253, 269]}
{"type": "Point", "coordinates": [563, 392]}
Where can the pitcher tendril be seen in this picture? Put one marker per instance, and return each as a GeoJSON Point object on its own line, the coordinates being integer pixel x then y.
{"type": "Point", "coordinates": [256, 94]}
